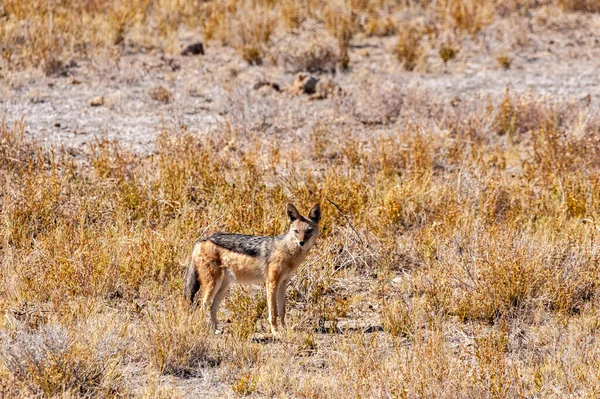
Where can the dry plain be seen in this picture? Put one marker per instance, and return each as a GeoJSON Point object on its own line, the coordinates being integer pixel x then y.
{"type": "Point", "coordinates": [454, 146]}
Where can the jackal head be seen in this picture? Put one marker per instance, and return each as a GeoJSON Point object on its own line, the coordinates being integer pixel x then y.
{"type": "Point", "coordinates": [304, 230]}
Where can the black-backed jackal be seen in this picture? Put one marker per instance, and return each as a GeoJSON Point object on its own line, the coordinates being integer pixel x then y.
{"type": "Point", "coordinates": [223, 259]}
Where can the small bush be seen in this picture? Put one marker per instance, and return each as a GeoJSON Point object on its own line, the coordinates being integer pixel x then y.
{"type": "Point", "coordinates": [253, 33]}
{"type": "Point", "coordinates": [245, 385]}
{"type": "Point", "coordinates": [397, 319]}
{"type": "Point", "coordinates": [178, 340]}
{"type": "Point", "coordinates": [161, 94]}
{"type": "Point", "coordinates": [504, 61]}
{"type": "Point", "coordinates": [317, 57]}
{"type": "Point", "coordinates": [245, 311]}
{"type": "Point", "coordinates": [467, 15]}
{"type": "Point", "coordinates": [54, 360]}
{"type": "Point", "coordinates": [253, 54]}
{"type": "Point", "coordinates": [408, 49]}
{"type": "Point", "coordinates": [580, 5]}
{"type": "Point", "coordinates": [380, 27]}
{"type": "Point", "coordinates": [342, 23]}
{"type": "Point", "coordinates": [448, 52]}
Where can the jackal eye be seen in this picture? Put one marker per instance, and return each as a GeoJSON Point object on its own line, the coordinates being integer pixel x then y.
{"type": "Point", "coordinates": [295, 231]}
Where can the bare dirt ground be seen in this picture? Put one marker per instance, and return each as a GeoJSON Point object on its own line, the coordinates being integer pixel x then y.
{"type": "Point", "coordinates": [561, 60]}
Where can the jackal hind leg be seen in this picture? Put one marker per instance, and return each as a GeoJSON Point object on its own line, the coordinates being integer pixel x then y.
{"type": "Point", "coordinates": [220, 294]}
{"type": "Point", "coordinates": [209, 290]}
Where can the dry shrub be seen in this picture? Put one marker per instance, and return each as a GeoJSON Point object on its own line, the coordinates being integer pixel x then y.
{"type": "Point", "coordinates": [253, 33]}
{"type": "Point", "coordinates": [405, 207]}
{"type": "Point", "coordinates": [490, 351]}
{"type": "Point", "coordinates": [468, 15]}
{"type": "Point", "coordinates": [376, 26]}
{"type": "Point", "coordinates": [342, 23]}
{"type": "Point", "coordinates": [408, 48]}
{"type": "Point", "coordinates": [317, 57]}
{"type": "Point", "coordinates": [161, 94]}
{"type": "Point", "coordinates": [178, 340]}
{"type": "Point", "coordinates": [216, 23]}
{"type": "Point", "coordinates": [504, 61]}
{"type": "Point", "coordinates": [245, 311]}
{"type": "Point", "coordinates": [397, 319]}
{"type": "Point", "coordinates": [517, 114]}
{"type": "Point", "coordinates": [502, 282]}
{"type": "Point", "coordinates": [448, 52]}
{"type": "Point", "coordinates": [292, 14]}
{"type": "Point", "coordinates": [53, 33]}
{"type": "Point", "coordinates": [245, 385]}
{"type": "Point", "coordinates": [580, 5]}
{"type": "Point", "coordinates": [54, 360]}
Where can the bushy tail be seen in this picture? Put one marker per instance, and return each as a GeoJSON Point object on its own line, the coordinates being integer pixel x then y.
{"type": "Point", "coordinates": [192, 285]}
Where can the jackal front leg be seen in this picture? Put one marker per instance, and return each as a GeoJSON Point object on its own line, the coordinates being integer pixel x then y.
{"type": "Point", "coordinates": [281, 300]}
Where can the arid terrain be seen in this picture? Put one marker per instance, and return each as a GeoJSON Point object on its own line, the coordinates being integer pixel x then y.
{"type": "Point", "coordinates": [454, 146]}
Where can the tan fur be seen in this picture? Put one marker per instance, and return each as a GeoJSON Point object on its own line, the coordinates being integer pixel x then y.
{"type": "Point", "coordinates": [217, 268]}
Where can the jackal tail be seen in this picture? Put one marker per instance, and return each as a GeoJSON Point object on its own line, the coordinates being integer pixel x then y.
{"type": "Point", "coordinates": [192, 285]}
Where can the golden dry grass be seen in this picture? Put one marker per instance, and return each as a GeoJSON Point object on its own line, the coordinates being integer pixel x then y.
{"type": "Point", "coordinates": [50, 34]}
{"type": "Point", "coordinates": [459, 254]}
{"type": "Point", "coordinates": [489, 228]}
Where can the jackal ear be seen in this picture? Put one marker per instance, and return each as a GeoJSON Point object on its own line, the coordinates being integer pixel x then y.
{"type": "Point", "coordinates": [315, 213]}
{"type": "Point", "coordinates": [292, 212]}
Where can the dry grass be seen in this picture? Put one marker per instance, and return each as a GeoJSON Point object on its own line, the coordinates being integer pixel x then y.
{"type": "Point", "coordinates": [409, 48]}
{"type": "Point", "coordinates": [459, 254]}
{"type": "Point", "coordinates": [52, 359]}
{"type": "Point", "coordinates": [491, 231]}
{"type": "Point", "coordinates": [52, 34]}
{"type": "Point", "coordinates": [504, 61]}
{"type": "Point", "coordinates": [161, 94]}
{"type": "Point", "coordinates": [580, 5]}
{"type": "Point", "coordinates": [177, 340]}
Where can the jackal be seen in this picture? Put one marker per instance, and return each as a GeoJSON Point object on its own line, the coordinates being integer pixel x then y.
{"type": "Point", "coordinates": [223, 259]}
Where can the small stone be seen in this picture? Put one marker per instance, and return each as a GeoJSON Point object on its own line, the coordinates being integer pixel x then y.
{"type": "Point", "coordinates": [97, 101]}
{"type": "Point", "coordinates": [194, 49]}
{"type": "Point", "coordinates": [271, 85]}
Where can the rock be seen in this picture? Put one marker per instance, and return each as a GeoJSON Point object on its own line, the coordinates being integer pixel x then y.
{"type": "Point", "coordinates": [304, 84]}
{"type": "Point", "coordinates": [194, 49]}
{"type": "Point", "coordinates": [262, 84]}
{"type": "Point", "coordinates": [97, 101]}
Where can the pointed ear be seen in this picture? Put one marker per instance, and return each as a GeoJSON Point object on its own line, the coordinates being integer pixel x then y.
{"type": "Point", "coordinates": [292, 212]}
{"type": "Point", "coordinates": [315, 213]}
